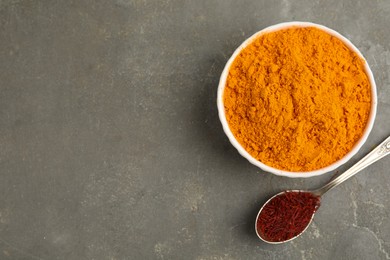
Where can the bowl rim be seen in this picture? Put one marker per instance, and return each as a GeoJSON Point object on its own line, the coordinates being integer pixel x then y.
{"type": "Point", "coordinates": [300, 174]}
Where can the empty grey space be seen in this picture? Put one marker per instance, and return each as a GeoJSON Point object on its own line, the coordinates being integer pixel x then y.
{"type": "Point", "coordinates": [111, 146]}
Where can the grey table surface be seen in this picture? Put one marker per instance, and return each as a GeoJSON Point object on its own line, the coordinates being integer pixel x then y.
{"type": "Point", "coordinates": [111, 148]}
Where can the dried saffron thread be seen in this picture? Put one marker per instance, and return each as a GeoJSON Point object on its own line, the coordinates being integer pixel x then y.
{"type": "Point", "coordinates": [286, 215]}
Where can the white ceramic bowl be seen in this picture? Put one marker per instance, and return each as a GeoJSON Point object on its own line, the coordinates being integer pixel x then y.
{"type": "Point", "coordinates": [244, 153]}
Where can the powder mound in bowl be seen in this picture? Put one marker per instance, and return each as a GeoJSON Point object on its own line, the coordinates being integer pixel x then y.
{"type": "Point", "coordinates": [297, 99]}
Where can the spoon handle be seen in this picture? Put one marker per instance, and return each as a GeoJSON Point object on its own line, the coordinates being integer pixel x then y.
{"type": "Point", "coordinates": [378, 153]}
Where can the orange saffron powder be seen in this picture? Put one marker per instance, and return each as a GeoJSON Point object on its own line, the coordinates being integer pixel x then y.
{"type": "Point", "coordinates": [297, 99]}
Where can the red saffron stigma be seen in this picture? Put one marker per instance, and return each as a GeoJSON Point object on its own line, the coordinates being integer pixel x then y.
{"type": "Point", "coordinates": [286, 215]}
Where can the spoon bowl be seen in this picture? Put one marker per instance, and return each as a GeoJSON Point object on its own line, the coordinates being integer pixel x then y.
{"type": "Point", "coordinates": [272, 198]}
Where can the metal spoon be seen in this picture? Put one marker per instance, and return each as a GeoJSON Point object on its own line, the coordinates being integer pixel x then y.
{"type": "Point", "coordinates": [378, 153]}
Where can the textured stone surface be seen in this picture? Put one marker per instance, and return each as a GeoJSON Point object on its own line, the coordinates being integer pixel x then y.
{"type": "Point", "coordinates": [110, 145]}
